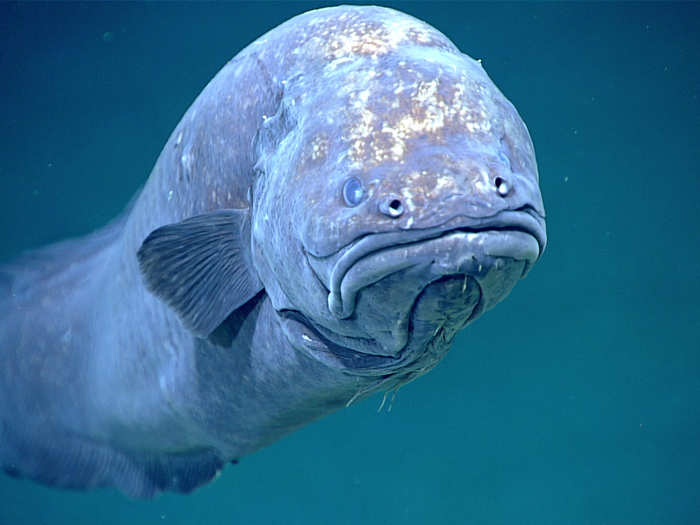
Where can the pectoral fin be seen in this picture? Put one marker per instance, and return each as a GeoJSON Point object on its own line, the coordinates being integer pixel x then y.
{"type": "Point", "coordinates": [201, 267]}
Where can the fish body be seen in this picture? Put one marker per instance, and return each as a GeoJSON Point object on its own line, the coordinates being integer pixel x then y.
{"type": "Point", "coordinates": [343, 197]}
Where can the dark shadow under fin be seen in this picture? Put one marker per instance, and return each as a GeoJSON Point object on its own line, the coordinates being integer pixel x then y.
{"type": "Point", "coordinates": [227, 331]}
{"type": "Point", "coordinates": [201, 267]}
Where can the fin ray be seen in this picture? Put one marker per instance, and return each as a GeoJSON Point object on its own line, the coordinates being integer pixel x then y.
{"type": "Point", "coordinates": [201, 267]}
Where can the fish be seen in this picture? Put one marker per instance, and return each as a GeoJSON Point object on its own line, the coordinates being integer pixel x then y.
{"type": "Point", "coordinates": [344, 196]}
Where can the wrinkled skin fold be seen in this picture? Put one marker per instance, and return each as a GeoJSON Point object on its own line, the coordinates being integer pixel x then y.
{"type": "Point", "coordinates": [345, 195]}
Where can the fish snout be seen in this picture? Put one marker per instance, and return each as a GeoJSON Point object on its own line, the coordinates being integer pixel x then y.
{"type": "Point", "coordinates": [444, 184]}
{"type": "Point", "coordinates": [416, 206]}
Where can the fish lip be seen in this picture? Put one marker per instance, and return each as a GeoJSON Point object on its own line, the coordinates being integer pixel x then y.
{"type": "Point", "coordinates": [409, 362]}
{"type": "Point", "coordinates": [524, 219]}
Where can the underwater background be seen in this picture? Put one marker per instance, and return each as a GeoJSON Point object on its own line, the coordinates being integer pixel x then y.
{"type": "Point", "coordinates": [575, 401]}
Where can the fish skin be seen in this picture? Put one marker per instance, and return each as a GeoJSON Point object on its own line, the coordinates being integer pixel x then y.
{"type": "Point", "coordinates": [102, 380]}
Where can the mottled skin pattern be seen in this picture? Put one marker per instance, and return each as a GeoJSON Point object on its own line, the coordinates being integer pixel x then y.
{"type": "Point", "coordinates": [100, 381]}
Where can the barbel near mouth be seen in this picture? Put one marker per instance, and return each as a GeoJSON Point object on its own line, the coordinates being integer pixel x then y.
{"type": "Point", "coordinates": [524, 220]}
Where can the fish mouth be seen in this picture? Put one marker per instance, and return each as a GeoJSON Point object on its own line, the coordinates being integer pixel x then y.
{"type": "Point", "coordinates": [460, 246]}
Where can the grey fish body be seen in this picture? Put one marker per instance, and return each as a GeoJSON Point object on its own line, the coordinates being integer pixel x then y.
{"type": "Point", "coordinates": [344, 196]}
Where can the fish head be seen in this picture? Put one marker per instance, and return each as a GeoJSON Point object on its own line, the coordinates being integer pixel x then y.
{"type": "Point", "coordinates": [398, 199]}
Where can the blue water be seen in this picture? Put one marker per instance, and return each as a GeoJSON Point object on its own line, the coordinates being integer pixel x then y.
{"type": "Point", "coordinates": [576, 401]}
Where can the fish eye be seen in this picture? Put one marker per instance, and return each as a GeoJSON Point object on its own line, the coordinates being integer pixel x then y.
{"type": "Point", "coordinates": [353, 191]}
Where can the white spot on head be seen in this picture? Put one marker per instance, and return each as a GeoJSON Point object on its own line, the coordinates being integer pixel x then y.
{"type": "Point", "coordinates": [408, 199]}
{"type": "Point", "coordinates": [186, 161]}
{"type": "Point", "coordinates": [483, 185]}
{"type": "Point", "coordinates": [444, 182]}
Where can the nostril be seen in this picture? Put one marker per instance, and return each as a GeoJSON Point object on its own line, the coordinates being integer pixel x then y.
{"type": "Point", "coordinates": [392, 207]}
{"type": "Point", "coordinates": [502, 186]}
